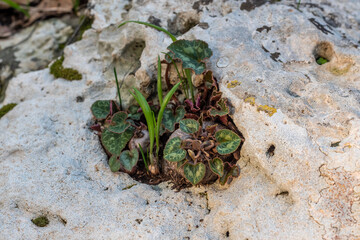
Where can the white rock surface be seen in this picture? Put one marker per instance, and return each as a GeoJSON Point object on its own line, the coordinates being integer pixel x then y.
{"type": "Point", "coordinates": [308, 188]}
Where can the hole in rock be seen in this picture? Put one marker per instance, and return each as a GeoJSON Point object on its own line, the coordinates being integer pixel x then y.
{"type": "Point", "coordinates": [227, 234]}
{"type": "Point", "coordinates": [323, 53]}
{"type": "Point", "coordinates": [271, 151]}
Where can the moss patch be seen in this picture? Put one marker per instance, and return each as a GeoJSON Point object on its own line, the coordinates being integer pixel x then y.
{"type": "Point", "coordinates": [41, 221]}
{"type": "Point", "coordinates": [5, 109]}
{"type": "Point", "coordinates": [59, 71]}
{"type": "Point", "coordinates": [130, 186]}
{"type": "Point", "coordinates": [265, 108]}
{"type": "Point", "coordinates": [321, 61]}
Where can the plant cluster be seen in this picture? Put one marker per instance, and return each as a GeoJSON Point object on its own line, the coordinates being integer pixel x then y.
{"type": "Point", "coordinates": [192, 139]}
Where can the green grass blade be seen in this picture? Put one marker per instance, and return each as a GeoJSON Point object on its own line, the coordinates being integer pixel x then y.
{"type": "Point", "coordinates": [161, 112]}
{"type": "Point", "coordinates": [173, 38]}
{"type": "Point", "coordinates": [159, 85]}
{"type": "Point", "coordinates": [144, 158]}
{"type": "Point", "coordinates": [118, 88]}
{"type": "Point", "coordinates": [148, 116]}
{"type": "Point", "coordinates": [17, 7]}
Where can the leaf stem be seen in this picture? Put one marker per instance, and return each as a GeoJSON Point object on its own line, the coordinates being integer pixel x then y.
{"type": "Point", "coordinates": [159, 85]}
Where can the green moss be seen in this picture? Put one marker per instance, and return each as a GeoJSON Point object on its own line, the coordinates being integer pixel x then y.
{"type": "Point", "coordinates": [128, 187]}
{"type": "Point", "coordinates": [41, 221]}
{"type": "Point", "coordinates": [59, 71]}
{"type": "Point", "coordinates": [321, 61]}
{"type": "Point", "coordinates": [85, 26]}
{"type": "Point", "coordinates": [5, 109]}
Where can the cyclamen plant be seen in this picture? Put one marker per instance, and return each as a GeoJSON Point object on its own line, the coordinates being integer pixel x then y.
{"type": "Point", "coordinates": [202, 143]}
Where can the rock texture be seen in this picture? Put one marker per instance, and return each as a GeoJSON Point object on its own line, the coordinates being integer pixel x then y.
{"type": "Point", "coordinates": [300, 162]}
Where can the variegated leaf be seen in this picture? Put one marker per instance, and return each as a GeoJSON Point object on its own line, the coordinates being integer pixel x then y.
{"type": "Point", "coordinates": [170, 119]}
{"type": "Point", "coordinates": [114, 163]}
{"type": "Point", "coordinates": [101, 109]}
{"type": "Point", "coordinates": [129, 159]}
{"type": "Point", "coordinates": [228, 141]}
{"type": "Point", "coordinates": [173, 151]}
{"type": "Point", "coordinates": [217, 166]}
{"type": "Point", "coordinates": [189, 125]}
{"type": "Point", "coordinates": [191, 53]}
{"type": "Point", "coordinates": [118, 124]}
{"type": "Point", "coordinates": [133, 113]}
{"type": "Point", "coordinates": [194, 173]}
{"type": "Point", "coordinates": [116, 142]}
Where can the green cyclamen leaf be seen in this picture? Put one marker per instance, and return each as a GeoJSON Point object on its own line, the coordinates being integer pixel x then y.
{"type": "Point", "coordinates": [116, 142]}
{"type": "Point", "coordinates": [118, 124]}
{"type": "Point", "coordinates": [114, 163]}
{"type": "Point", "coordinates": [170, 119]}
{"type": "Point", "coordinates": [173, 151]}
{"type": "Point", "coordinates": [217, 166]}
{"type": "Point", "coordinates": [129, 159]}
{"type": "Point", "coordinates": [101, 109]}
{"type": "Point", "coordinates": [191, 53]}
{"type": "Point", "coordinates": [228, 141]}
{"type": "Point", "coordinates": [133, 113]}
{"type": "Point", "coordinates": [221, 108]}
{"type": "Point", "coordinates": [194, 173]}
{"type": "Point", "coordinates": [189, 125]}
{"type": "Point", "coordinates": [229, 172]}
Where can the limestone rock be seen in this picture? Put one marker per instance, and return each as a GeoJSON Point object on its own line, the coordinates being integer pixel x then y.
{"type": "Point", "coordinates": [300, 162]}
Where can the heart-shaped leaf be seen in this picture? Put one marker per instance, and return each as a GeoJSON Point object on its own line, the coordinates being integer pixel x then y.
{"type": "Point", "coordinates": [228, 141]}
{"type": "Point", "coordinates": [114, 163]}
{"type": "Point", "coordinates": [189, 125]}
{"type": "Point", "coordinates": [118, 124]}
{"type": "Point", "coordinates": [173, 151]}
{"type": "Point", "coordinates": [217, 166]}
{"type": "Point", "coordinates": [191, 53]}
{"type": "Point", "coordinates": [116, 142]}
{"type": "Point", "coordinates": [133, 113]}
{"type": "Point", "coordinates": [101, 109]}
{"type": "Point", "coordinates": [194, 173]}
{"type": "Point", "coordinates": [129, 159]}
{"type": "Point", "coordinates": [220, 109]}
{"type": "Point", "coordinates": [229, 173]}
{"type": "Point", "coordinates": [170, 119]}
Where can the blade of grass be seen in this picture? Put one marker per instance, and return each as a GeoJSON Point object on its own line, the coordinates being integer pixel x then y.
{"type": "Point", "coordinates": [188, 76]}
{"type": "Point", "coordinates": [161, 113]}
{"type": "Point", "coordinates": [159, 85]}
{"type": "Point", "coordinates": [148, 116]}
{"type": "Point", "coordinates": [144, 158]}
{"type": "Point", "coordinates": [16, 7]}
{"type": "Point", "coordinates": [173, 38]}
{"type": "Point", "coordinates": [118, 88]}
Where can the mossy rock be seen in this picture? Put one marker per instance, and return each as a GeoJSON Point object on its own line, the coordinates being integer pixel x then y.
{"type": "Point", "coordinates": [41, 221]}
{"type": "Point", "coordinates": [57, 69]}
{"type": "Point", "coordinates": [7, 108]}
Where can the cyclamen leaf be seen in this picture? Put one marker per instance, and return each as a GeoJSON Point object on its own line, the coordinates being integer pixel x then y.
{"type": "Point", "coordinates": [118, 124]}
{"type": "Point", "coordinates": [217, 166]}
{"type": "Point", "coordinates": [114, 163]}
{"type": "Point", "coordinates": [116, 142]}
{"type": "Point", "coordinates": [229, 173]}
{"type": "Point", "coordinates": [101, 109]}
{"type": "Point", "coordinates": [189, 125]}
{"type": "Point", "coordinates": [133, 113]}
{"type": "Point", "coordinates": [191, 53]}
{"type": "Point", "coordinates": [173, 151]}
{"type": "Point", "coordinates": [129, 159]}
{"type": "Point", "coordinates": [228, 141]}
{"type": "Point", "coordinates": [194, 173]}
{"type": "Point", "coordinates": [221, 108]}
{"type": "Point", "coordinates": [170, 119]}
